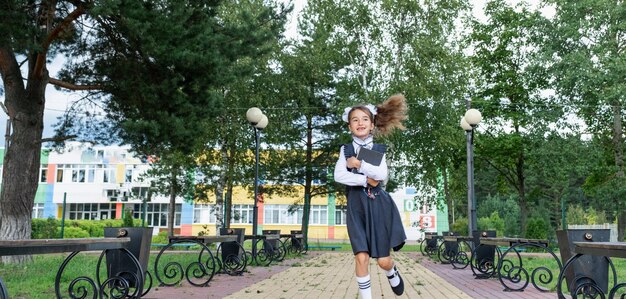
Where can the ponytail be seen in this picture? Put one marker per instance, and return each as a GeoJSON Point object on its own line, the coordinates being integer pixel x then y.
{"type": "Point", "coordinates": [390, 114]}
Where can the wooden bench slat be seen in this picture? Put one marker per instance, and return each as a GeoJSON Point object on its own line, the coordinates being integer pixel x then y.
{"type": "Point", "coordinates": [205, 239]}
{"type": "Point", "coordinates": [610, 249]}
{"type": "Point", "coordinates": [45, 246]}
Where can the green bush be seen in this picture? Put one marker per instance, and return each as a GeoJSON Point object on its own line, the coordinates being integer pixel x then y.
{"type": "Point", "coordinates": [536, 228]}
{"type": "Point", "coordinates": [128, 220]}
{"type": "Point", "coordinates": [508, 210]}
{"type": "Point", "coordinates": [45, 228]}
{"type": "Point", "coordinates": [460, 227]}
{"type": "Point", "coordinates": [51, 228]}
{"type": "Point", "coordinates": [161, 238]}
{"type": "Point", "coordinates": [494, 222]}
{"type": "Point", "coordinates": [72, 232]}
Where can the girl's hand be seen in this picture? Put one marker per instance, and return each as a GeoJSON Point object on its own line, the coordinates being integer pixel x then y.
{"type": "Point", "coordinates": [353, 162]}
{"type": "Point", "coordinates": [372, 182]}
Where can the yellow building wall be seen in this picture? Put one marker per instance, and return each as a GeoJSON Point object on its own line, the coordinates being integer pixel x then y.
{"type": "Point", "coordinates": [242, 196]}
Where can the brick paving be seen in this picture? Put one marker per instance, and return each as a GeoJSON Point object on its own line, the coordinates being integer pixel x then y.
{"type": "Point", "coordinates": [331, 275]}
{"type": "Point", "coordinates": [480, 288]}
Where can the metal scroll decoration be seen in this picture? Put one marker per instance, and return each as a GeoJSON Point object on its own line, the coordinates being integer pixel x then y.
{"type": "Point", "coordinates": [127, 284]}
{"type": "Point", "coordinates": [513, 274]}
{"type": "Point", "coordinates": [587, 287]}
{"type": "Point", "coordinates": [170, 270]}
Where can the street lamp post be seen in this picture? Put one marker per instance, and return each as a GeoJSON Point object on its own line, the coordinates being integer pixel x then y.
{"type": "Point", "coordinates": [469, 122]}
{"type": "Point", "coordinates": [259, 121]}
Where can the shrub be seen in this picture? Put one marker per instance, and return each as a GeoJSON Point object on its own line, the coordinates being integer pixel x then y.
{"type": "Point", "coordinates": [536, 228]}
{"type": "Point", "coordinates": [460, 227]}
{"type": "Point", "coordinates": [72, 232]}
{"type": "Point", "coordinates": [45, 228]}
{"type": "Point", "coordinates": [494, 222]}
{"type": "Point", "coordinates": [128, 219]}
{"type": "Point", "coordinates": [161, 238]}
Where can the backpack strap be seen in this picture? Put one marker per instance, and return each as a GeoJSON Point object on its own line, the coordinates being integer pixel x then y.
{"type": "Point", "coordinates": [348, 150]}
{"type": "Point", "coordinates": [381, 148]}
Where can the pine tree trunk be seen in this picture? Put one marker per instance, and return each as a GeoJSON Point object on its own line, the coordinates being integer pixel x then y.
{"type": "Point", "coordinates": [22, 155]}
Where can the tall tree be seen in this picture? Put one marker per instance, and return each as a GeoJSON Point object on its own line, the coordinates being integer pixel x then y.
{"type": "Point", "coordinates": [586, 51]}
{"type": "Point", "coordinates": [305, 96]}
{"type": "Point", "coordinates": [423, 56]}
{"type": "Point", "coordinates": [150, 61]}
{"type": "Point", "coordinates": [509, 83]}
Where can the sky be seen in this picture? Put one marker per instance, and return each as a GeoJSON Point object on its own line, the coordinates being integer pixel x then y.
{"type": "Point", "coordinates": [57, 102]}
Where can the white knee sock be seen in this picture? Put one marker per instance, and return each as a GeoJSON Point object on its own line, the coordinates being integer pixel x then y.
{"type": "Point", "coordinates": [395, 279]}
{"type": "Point", "coordinates": [365, 286]}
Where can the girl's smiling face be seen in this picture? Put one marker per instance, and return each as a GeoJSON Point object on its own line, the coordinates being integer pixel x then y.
{"type": "Point", "coordinates": [360, 123]}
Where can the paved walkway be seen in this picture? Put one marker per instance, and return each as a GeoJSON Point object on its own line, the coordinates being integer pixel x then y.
{"type": "Point", "coordinates": [331, 275]}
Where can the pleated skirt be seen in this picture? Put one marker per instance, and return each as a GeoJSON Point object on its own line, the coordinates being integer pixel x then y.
{"type": "Point", "coordinates": [374, 224]}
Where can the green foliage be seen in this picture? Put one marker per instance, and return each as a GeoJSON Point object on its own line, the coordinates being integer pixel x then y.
{"type": "Point", "coordinates": [51, 228]}
{"type": "Point", "coordinates": [507, 209]}
{"type": "Point", "coordinates": [537, 228]}
{"type": "Point", "coordinates": [71, 232]}
{"type": "Point", "coordinates": [127, 221]}
{"type": "Point", "coordinates": [161, 238]}
{"type": "Point", "coordinates": [576, 214]}
{"type": "Point", "coordinates": [45, 228]}
{"type": "Point", "coordinates": [204, 231]}
{"type": "Point", "coordinates": [493, 222]}
{"type": "Point", "coordinates": [460, 226]}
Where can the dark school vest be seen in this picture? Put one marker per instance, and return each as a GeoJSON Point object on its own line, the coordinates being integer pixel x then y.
{"type": "Point", "coordinates": [348, 151]}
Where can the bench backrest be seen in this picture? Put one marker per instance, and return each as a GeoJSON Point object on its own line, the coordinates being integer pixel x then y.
{"type": "Point", "coordinates": [232, 248]}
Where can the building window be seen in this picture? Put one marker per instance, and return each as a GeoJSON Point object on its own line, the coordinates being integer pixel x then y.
{"type": "Point", "coordinates": [106, 211]}
{"type": "Point", "coordinates": [280, 214]}
{"type": "Point", "coordinates": [91, 211]}
{"type": "Point", "coordinates": [60, 174]}
{"type": "Point", "coordinates": [78, 175]}
{"type": "Point", "coordinates": [128, 175]}
{"type": "Point", "coordinates": [91, 173]}
{"type": "Point", "coordinates": [204, 213]}
{"type": "Point", "coordinates": [242, 214]}
{"type": "Point", "coordinates": [340, 215]}
{"type": "Point", "coordinates": [318, 215]}
{"type": "Point", "coordinates": [37, 210]}
{"type": "Point", "coordinates": [86, 211]}
{"type": "Point", "coordinates": [156, 214]}
{"type": "Point", "coordinates": [271, 213]}
{"type": "Point", "coordinates": [43, 174]}
{"type": "Point", "coordinates": [108, 175]}
{"type": "Point", "coordinates": [294, 216]}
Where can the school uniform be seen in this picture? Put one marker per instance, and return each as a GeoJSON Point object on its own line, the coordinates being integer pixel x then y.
{"type": "Point", "coordinates": [373, 221]}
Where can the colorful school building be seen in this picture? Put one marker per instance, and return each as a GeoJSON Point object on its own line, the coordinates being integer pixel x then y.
{"type": "Point", "coordinates": [101, 182]}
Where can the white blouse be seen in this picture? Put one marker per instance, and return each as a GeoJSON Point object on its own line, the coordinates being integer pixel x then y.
{"type": "Point", "coordinates": [343, 176]}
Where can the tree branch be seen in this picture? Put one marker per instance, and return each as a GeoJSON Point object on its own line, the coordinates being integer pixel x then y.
{"type": "Point", "coordinates": [57, 139]}
{"type": "Point", "coordinates": [71, 86]}
{"type": "Point", "coordinates": [41, 57]}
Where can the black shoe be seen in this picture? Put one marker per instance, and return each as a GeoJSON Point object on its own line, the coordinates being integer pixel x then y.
{"type": "Point", "coordinates": [399, 289]}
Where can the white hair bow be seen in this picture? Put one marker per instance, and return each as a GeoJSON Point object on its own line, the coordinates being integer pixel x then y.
{"type": "Point", "coordinates": [347, 110]}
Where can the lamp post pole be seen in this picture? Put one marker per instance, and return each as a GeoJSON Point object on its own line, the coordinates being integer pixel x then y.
{"type": "Point", "coordinates": [255, 211]}
{"type": "Point", "coordinates": [471, 199]}
{"type": "Point", "coordinates": [469, 123]}
{"type": "Point", "coordinates": [259, 121]}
